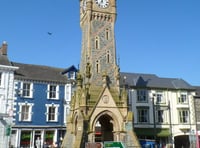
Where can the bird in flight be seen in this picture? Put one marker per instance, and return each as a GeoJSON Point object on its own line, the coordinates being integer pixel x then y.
{"type": "Point", "coordinates": [49, 33]}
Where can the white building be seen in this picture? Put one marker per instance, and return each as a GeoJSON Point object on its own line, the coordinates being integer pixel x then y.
{"type": "Point", "coordinates": [163, 109]}
{"type": "Point", "coordinates": [6, 96]}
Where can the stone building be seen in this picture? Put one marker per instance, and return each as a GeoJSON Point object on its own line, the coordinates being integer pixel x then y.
{"type": "Point", "coordinates": [99, 110]}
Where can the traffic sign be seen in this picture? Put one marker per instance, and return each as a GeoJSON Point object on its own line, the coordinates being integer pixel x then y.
{"type": "Point", "coordinates": [113, 144]}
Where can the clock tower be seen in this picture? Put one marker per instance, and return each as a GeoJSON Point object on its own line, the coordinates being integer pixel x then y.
{"type": "Point", "coordinates": [99, 110]}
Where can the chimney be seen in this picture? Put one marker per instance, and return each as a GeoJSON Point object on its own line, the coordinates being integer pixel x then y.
{"type": "Point", "coordinates": [3, 49]}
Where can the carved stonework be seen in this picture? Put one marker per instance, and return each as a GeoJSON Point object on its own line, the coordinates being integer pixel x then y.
{"type": "Point", "coordinates": [98, 106]}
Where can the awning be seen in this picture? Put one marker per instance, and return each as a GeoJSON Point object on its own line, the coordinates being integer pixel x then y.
{"type": "Point", "coordinates": [150, 132]}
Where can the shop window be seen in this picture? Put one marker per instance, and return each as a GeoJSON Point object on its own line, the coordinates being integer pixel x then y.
{"type": "Point", "coordinates": [48, 138]}
{"type": "Point", "coordinates": [25, 140]}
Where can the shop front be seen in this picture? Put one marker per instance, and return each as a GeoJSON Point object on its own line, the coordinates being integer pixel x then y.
{"type": "Point", "coordinates": [30, 138]}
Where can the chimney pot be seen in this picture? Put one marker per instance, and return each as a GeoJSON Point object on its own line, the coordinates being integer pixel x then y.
{"type": "Point", "coordinates": [4, 48]}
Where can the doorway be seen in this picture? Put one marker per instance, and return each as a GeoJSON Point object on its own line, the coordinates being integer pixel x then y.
{"type": "Point", "coordinates": [37, 139]}
{"type": "Point", "coordinates": [104, 129]}
{"type": "Point", "coordinates": [182, 141]}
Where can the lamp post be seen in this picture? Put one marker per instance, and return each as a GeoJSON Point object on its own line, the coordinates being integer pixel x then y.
{"type": "Point", "coordinates": [170, 123]}
{"type": "Point", "coordinates": [192, 138]}
{"type": "Point", "coordinates": [154, 118]}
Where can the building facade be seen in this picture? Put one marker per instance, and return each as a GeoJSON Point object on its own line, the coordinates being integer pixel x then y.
{"type": "Point", "coordinates": [34, 102]}
{"type": "Point", "coordinates": [164, 110]}
{"type": "Point", "coordinates": [42, 96]}
{"type": "Point", "coordinates": [6, 96]}
{"type": "Point", "coordinates": [197, 115]}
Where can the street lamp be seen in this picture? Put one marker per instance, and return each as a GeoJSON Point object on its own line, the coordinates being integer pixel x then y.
{"type": "Point", "coordinates": [170, 123]}
{"type": "Point", "coordinates": [154, 118]}
{"type": "Point", "coordinates": [192, 138]}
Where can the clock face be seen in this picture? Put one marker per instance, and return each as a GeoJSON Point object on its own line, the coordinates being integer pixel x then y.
{"type": "Point", "coordinates": [102, 3]}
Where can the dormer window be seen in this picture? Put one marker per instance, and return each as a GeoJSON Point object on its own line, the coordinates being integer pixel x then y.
{"type": "Point", "coordinates": [71, 75]}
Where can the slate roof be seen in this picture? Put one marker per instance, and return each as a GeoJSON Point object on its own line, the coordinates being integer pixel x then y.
{"type": "Point", "coordinates": [71, 68]}
{"type": "Point", "coordinates": [39, 73]}
{"type": "Point", "coordinates": [197, 91]}
{"type": "Point", "coordinates": [153, 81]}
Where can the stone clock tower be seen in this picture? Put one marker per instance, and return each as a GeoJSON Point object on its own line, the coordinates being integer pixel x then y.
{"type": "Point", "coordinates": [99, 109]}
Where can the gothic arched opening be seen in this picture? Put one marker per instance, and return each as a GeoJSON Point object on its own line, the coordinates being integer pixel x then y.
{"type": "Point", "coordinates": [104, 129]}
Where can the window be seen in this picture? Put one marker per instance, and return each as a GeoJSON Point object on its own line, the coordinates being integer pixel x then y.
{"type": "Point", "coordinates": [52, 113]}
{"type": "Point", "coordinates": [183, 116]}
{"type": "Point", "coordinates": [108, 57]}
{"type": "Point", "coordinates": [141, 96]}
{"type": "Point", "coordinates": [143, 115]}
{"type": "Point", "coordinates": [160, 116]}
{"type": "Point", "coordinates": [0, 78]}
{"type": "Point", "coordinates": [96, 43]}
{"type": "Point", "coordinates": [66, 113]}
{"type": "Point", "coordinates": [25, 111]}
{"type": "Point", "coordinates": [107, 34]}
{"type": "Point", "coordinates": [68, 92]}
{"type": "Point", "coordinates": [182, 98]}
{"type": "Point", "coordinates": [26, 90]}
{"type": "Point", "coordinates": [159, 97]}
{"type": "Point", "coordinates": [71, 75]}
{"type": "Point", "coordinates": [52, 91]}
{"type": "Point", "coordinates": [131, 98]}
{"type": "Point", "coordinates": [97, 66]}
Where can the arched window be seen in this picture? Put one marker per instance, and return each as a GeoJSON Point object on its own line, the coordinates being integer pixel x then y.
{"type": "Point", "coordinates": [107, 34]}
{"type": "Point", "coordinates": [97, 66]}
{"type": "Point", "coordinates": [97, 43]}
{"type": "Point", "coordinates": [108, 57]}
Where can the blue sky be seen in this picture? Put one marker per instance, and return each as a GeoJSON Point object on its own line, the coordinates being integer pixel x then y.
{"type": "Point", "coordinates": [159, 37]}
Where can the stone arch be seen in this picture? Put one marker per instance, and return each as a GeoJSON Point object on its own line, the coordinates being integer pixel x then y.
{"type": "Point", "coordinates": [104, 126]}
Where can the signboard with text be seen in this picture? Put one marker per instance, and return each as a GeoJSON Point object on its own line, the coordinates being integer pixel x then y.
{"type": "Point", "coordinates": [113, 144]}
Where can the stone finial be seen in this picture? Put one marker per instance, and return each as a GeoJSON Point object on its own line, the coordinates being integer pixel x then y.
{"type": "Point", "coordinates": [104, 79]}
